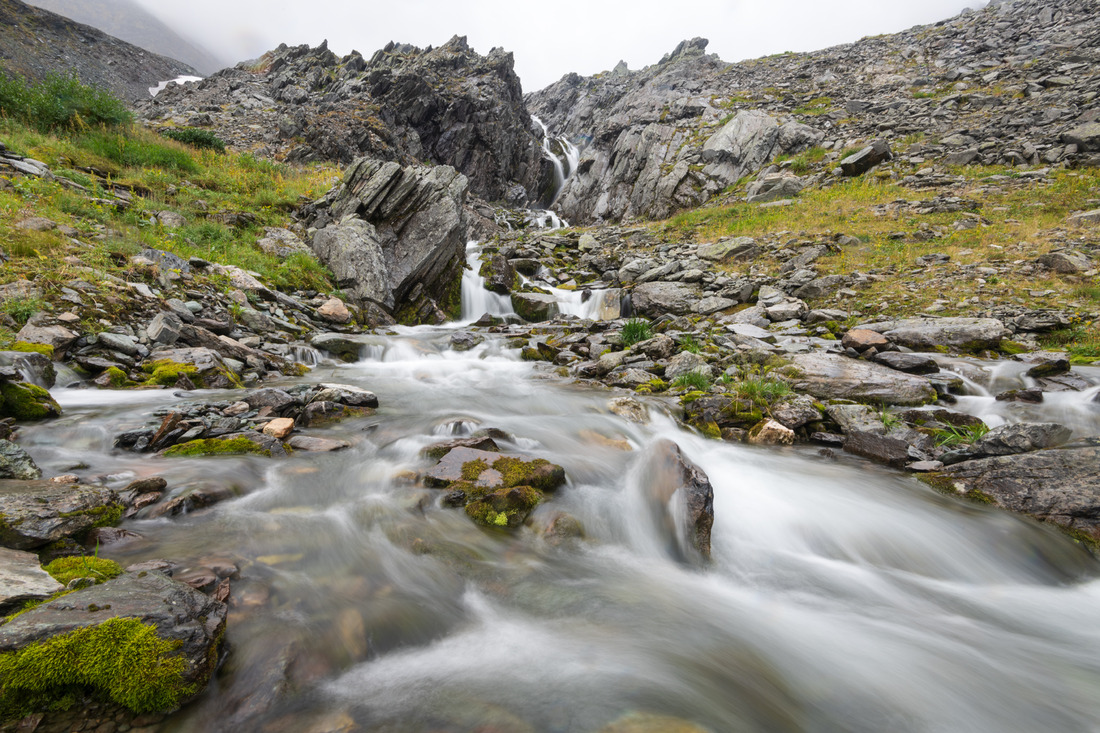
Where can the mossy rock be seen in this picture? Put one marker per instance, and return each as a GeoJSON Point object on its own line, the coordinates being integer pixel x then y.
{"type": "Point", "coordinates": [166, 373]}
{"type": "Point", "coordinates": [504, 507]}
{"type": "Point", "coordinates": [65, 569]}
{"type": "Point", "coordinates": [25, 401]}
{"type": "Point", "coordinates": [28, 348]}
{"type": "Point", "coordinates": [238, 446]}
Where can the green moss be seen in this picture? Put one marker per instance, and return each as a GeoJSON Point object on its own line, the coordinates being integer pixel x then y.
{"type": "Point", "coordinates": [690, 397]}
{"type": "Point", "coordinates": [121, 660]}
{"type": "Point", "coordinates": [166, 372]}
{"type": "Point", "coordinates": [25, 401]}
{"type": "Point", "coordinates": [106, 515]}
{"type": "Point", "coordinates": [217, 447]}
{"type": "Point", "coordinates": [471, 470]}
{"type": "Point", "coordinates": [29, 348]}
{"type": "Point", "coordinates": [118, 379]}
{"type": "Point", "coordinates": [711, 430]}
{"type": "Point", "coordinates": [539, 473]}
{"type": "Point", "coordinates": [504, 507]}
{"type": "Point", "coordinates": [66, 569]}
{"type": "Point", "coordinates": [1012, 347]}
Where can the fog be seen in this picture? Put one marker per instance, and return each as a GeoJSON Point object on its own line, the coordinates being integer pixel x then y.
{"type": "Point", "coordinates": [549, 40]}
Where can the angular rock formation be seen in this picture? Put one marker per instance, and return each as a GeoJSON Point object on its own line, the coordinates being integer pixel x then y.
{"type": "Point", "coordinates": [669, 477]}
{"type": "Point", "coordinates": [395, 238]}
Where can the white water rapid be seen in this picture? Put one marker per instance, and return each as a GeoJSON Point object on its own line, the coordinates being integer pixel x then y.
{"type": "Point", "coordinates": [841, 597]}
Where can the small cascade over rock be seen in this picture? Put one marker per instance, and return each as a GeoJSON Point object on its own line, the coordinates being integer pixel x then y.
{"type": "Point", "coordinates": [565, 158]}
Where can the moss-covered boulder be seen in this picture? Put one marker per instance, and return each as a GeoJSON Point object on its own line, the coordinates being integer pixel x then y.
{"type": "Point", "coordinates": [504, 507]}
{"type": "Point", "coordinates": [35, 513]}
{"type": "Point", "coordinates": [140, 641]}
{"type": "Point", "coordinates": [33, 360]}
{"type": "Point", "coordinates": [26, 401]}
{"type": "Point", "coordinates": [236, 444]}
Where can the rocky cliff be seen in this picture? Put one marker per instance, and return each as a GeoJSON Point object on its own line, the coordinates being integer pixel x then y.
{"type": "Point", "coordinates": [1010, 84]}
{"type": "Point", "coordinates": [35, 42]}
{"type": "Point", "coordinates": [446, 105]}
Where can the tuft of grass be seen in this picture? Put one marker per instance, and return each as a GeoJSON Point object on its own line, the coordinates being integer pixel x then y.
{"type": "Point", "coordinates": [689, 344]}
{"type": "Point", "coordinates": [952, 435]}
{"type": "Point", "coordinates": [692, 381]}
{"type": "Point", "coordinates": [635, 331]}
{"type": "Point", "coordinates": [21, 308]}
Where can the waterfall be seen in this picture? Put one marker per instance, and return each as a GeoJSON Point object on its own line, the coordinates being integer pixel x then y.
{"type": "Point", "coordinates": [565, 165]}
{"type": "Point", "coordinates": [476, 299]}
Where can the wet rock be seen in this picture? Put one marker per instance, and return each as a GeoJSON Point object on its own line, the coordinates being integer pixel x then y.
{"type": "Point", "coordinates": [22, 579]}
{"type": "Point", "coordinates": [1044, 363]}
{"type": "Point", "coordinates": [651, 723]}
{"type": "Point", "coordinates": [317, 445]}
{"type": "Point", "coordinates": [1020, 438]}
{"type": "Point", "coordinates": [562, 528]}
{"type": "Point", "coordinates": [908, 363]}
{"type": "Point", "coordinates": [1030, 396]}
{"type": "Point", "coordinates": [57, 337]}
{"type": "Point", "coordinates": [963, 334]}
{"type": "Point", "coordinates": [179, 614]}
{"type": "Point", "coordinates": [681, 500]}
{"type": "Point", "coordinates": [500, 275]}
{"type": "Point", "coordinates": [856, 418]}
{"type": "Point", "coordinates": [465, 340]}
{"type": "Point", "coordinates": [1060, 486]}
{"type": "Point", "coordinates": [630, 409]}
{"type": "Point", "coordinates": [878, 448]}
{"type": "Point", "coordinates": [322, 412]}
{"type": "Point", "coordinates": [534, 307]}
{"type": "Point", "coordinates": [37, 368]}
{"type": "Point", "coordinates": [481, 443]}
{"type": "Point", "coordinates": [480, 470]}
{"type": "Point", "coordinates": [36, 513]}
{"type": "Point", "coordinates": [278, 401]}
{"type": "Point", "coordinates": [770, 432]}
{"type": "Point", "coordinates": [16, 463]}
{"type": "Point", "coordinates": [831, 376]}
{"type": "Point", "coordinates": [796, 412]}
{"type": "Point", "coordinates": [105, 536]}
{"type": "Point", "coordinates": [279, 428]}
{"type": "Point", "coordinates": [508, 507]}
{"type": "Point", "coordinates": [345, 394]}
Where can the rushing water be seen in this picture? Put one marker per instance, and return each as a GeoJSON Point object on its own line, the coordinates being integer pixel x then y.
{"type": "Point", "coordinates": [842, 597]}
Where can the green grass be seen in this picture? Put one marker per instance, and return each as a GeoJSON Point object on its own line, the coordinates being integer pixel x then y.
{"type": "Point", "coordinates": [196, 138]}
{"type": "Point", "coordinates": [952, 435]}
{"type": "Point", "coordinates": [691, 381]}
{"type": "Point", "coordinates": [635, 331]}
{"type": "Point", "coordinates": [689, 344]}
{"type": "Point", "coordinates": [21, 308]}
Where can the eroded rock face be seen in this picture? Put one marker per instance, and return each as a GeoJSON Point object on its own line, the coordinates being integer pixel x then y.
{"type": "Point", "coordinates": [669, 478]}
{"type": "Point", "coordinates": [395, 236]}
{"type": "Point", "coordinates": [1057, 486]}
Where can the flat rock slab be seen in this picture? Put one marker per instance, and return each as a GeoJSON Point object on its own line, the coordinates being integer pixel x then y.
{"type": "Point", "coordinates": [453, 468]}
{"type": "Point", "coordinates": [22, 579]}
{"type": "Point", "coordinates": [179, 612]}
{"type": "Point", "coordinates": [964, 334]}
{"type": "Point", "coordinates": [36, 513]}
{"type": "Point", "coordinates": [1057, 486]}
{"type": "Point", "coordinates": [832, 376]}
{"type": "Point", "coordinates": [317, 445]}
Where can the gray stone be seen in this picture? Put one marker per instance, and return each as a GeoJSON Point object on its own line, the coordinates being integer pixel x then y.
{"type": "Point", "coordinates": [831, 376]}
{"type": "Point", "coordinates": [856, 419]}
{"type": "Point", "coordinates": [1060, 486]}
{"type": "Point", "coordinates": [968, 334]}
{"type": "Point", "coordinates": [32, 367]}
{"type": "Point", "coordinates": [685, 363]}
{"type": "Point", "coordinates": [535, 307]}
{"type": "Point", "coordinates": [22, 579]}
{"type": "Point", "coordinates": [655, 299]}
{"type": "Point", "coordinates": [346, 394]}
{"type": "Point", "coordinates": [878, 448]}
{"type": "Point", "coordinates": [1086, 137]}
{"type": "Point", "coordinates": [773, 187]}
{"type": "Point", "coordinates": [282, 243]}
{"type": "Point", "coordinates": [58, 337]}
{"type": "Point", "coordinates": [37, 513]}
{"type": "Point", "coordinates": [1066, 263]}
{"type": "Point", "coordinates": [1020, 438]}
{"type": "Point", "coordinates": [119, 342]}
{"type": "Point", "coordinates": [314, 444]}
{"type": "Point", "coordinates": [15, 463]}
{"type": "Point", "coordinates": [909, 363]}
{"type": "Point", "coordinates": [165, 328]}
{"type": "Point", "coordinates": [726, 251]}
{"type": "Point", "coordinates": [713, 304]}
{"type": "Point", "coordinates": [1086, 218]}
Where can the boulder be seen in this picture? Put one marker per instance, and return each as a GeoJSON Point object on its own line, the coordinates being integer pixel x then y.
{"type": "Point", "coordinates": [281, 242]}
{"type": "Point", "coordinates": [534, 307]}
{"type": "Point", "coordinates": [397, 238]}
{"type": "Point", "coordinates": [1060, 486]}
{"type": "Point", "coordinates": [480, 471]}
{"type": "Point", "coordinates": [832, 376]}
{"type": "Point", "coordinates": [862, 339]}
{"type": "Point", "coordinates": [909, 363]}
{"type": "Point", "coordinates": [859, 163]}
{"type": "Point", "coordinates": [1020, 438]}
{"type": "Point", "coordinates": [1086, 137]}
{"type": "Point", "coordinates": [22, 579]}
{"type": "Point", "coordinates": [348, 347]}
{"type": "Point", "coordinates": [770, 432]}
{"type": "Point", "coordinates": [962, 334]}
{"type": "Point", "coordinates": [33, 367]}
{"type": "Point", "coordinates": [680, 499]}
{"type": "Point", "coordinates": [345, 394]}
{"type": "Point", "coordinates": [878, 448]}
{"type": "Point", "coordinates": [57, 337]}
{"type": "Point", "coordinates": [333, 310]}
{"type": "Point", "coordinates": [686, 363]}
{"type": "Point", "coordinates": [118, 615]}
{"type": "Point", "coordinates": [26, 401]}
{"type": "Point", "coordinates": [726, 251]}
{"type": "Point", "coordinates": [15, 463]}
{"type": "Point", "coordinates": [36, 513]}
{"type": "Point", "coordinates": [1066, 262]}
{"type": "Point", "coordinates": [773, 187]}
{"type": "Point", "coordinates": [165, 328]}
{"type": "Point", "coordinates": [654, 299]}
{"type": "Point", "coordinates": [500, 275]}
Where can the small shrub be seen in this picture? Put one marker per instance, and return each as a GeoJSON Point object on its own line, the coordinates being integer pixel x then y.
{"type": "Point", "coordinates": [635, 331]}
{"type": "Point", "coordinates": [21, 308]}
{"type": "Point", "coordinates": [196, 138]}
{"type": "Point", "coordinates": [60, 102]}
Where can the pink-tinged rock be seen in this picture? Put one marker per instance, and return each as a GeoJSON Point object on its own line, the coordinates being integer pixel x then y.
{"type": "Point", "coordinates": [279, 427]}
{"type": "Point", "coordinates": [334, 311]}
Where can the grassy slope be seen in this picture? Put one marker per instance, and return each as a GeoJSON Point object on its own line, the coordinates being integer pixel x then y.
{"type": "Point", "coordinates": [160, 175]}
{"type": "Point", "coordinates": [1020, 220]}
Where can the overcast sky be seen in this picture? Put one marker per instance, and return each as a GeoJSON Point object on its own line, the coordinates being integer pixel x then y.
{"type": "Point", "coordinates": [548, 39]}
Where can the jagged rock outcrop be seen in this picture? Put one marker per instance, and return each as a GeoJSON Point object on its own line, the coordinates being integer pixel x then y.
{"type": "Point", "coordinates": [395, 237]}
{"type": "Point", "coordinates": [446, 105]}
{"type": "Point", "coordinates": [1011, 84]}
{"type": "Point", "coordinates": [97, 58]}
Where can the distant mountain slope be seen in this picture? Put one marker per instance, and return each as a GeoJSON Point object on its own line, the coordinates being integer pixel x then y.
{"type": "Point", "coordinates": [130, 22]}
{"type": "Point", "coordinates": [34, 42]}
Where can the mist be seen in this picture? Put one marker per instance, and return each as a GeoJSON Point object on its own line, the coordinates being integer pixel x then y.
{"type": "Point", "coordinates": [568, 36]}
